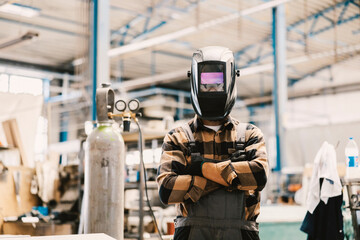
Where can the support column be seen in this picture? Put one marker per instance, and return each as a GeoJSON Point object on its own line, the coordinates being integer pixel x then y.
{"type": "Point", "coordinates": [141, 190]}
{"type": "Point", "coordinates": [65, 85]}
{"type": "Point", "coordinates": [63, 136]}
{"type": "Point", "coordinates": [280, 81]}
{"type": "Point", "coordinates": [99, 47]}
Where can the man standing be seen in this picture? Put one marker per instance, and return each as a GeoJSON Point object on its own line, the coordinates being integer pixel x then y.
{"type": "Point", "coordinates": [214, 167]}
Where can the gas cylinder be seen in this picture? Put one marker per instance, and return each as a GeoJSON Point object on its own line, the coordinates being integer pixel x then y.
{"type": "Point", "coordinates": [104, 172]}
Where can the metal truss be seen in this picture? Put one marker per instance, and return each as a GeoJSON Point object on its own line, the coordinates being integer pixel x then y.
{"type": "Point", "coordinates": [127, 33]}
{"type": "Point", "coordinates": [245, 57]}
{"type": "Point", "coordinates": [253, 54]}
{"type": "Point", "coordinates": [292, 81]}
{"type": "Point", "coordinates": [322, 15]}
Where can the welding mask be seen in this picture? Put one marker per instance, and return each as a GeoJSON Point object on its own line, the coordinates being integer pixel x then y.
{"type": "Point", "coordinates": [212, 78]}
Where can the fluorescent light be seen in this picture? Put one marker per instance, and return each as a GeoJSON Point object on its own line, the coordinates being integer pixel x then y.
{"type": "Point", "coordinates": [19, 40]}
{"type": "Point", "coordinates": [19, 9]}
{"type": "Point", "coordinates": [78, 61]}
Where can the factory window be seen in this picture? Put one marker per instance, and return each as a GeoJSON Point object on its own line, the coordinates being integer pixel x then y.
{"type": "Point", "coordinates": [20, 84]}
{"type": "Point", "coordinates": [4, 82]}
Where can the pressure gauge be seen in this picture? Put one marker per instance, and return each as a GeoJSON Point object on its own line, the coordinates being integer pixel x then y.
{"type": "Point", "coordinates": [134, 105]}
{"type": "Point", "coordinates": [120, 105]}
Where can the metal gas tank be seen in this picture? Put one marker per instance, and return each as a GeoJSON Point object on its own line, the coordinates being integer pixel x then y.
{"type": "Point", "coordinates": [104, 181]}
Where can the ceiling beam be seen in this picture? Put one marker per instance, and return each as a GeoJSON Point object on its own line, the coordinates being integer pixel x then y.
{"type": "Point", "coordinates": [193, 29]}
{"type": "Point", "coordinates": [245, 55]}
{"type": "Point", "coordinates": [25, 71]}
{"type": "Point", "coordinates": [332, 89]}
{"type": "Point", "coordinates": [65, 68]}
{"type": "Point", "coordinates": [40, 27]}
{"type": "Point", "coordinates": [145, 18]}
{"type": "Point", "coordinates": [152, 80]}
{"type": "Point", "coordinates": [181, 74]}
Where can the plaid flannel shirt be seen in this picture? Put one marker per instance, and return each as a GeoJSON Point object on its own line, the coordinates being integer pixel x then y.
{"type": "Point", "coordinates": [176, 187]}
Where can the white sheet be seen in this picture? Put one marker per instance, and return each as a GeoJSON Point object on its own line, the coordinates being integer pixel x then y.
{"type": "Point", "coordinates": [324, 167]}
{"type": "Point", "coordinates": [26, 109]}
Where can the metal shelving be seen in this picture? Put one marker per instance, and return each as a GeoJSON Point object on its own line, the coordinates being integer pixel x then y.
{"type": "Point", "coordinates": [354, 203]}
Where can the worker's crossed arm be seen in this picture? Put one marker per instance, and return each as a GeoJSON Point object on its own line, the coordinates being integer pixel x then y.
{"type": "Point", "coordinates": [181, 180]}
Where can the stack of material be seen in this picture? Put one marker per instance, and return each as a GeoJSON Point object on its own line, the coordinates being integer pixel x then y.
{"type": "Point", "coordinates": [16, 177]}
{"type": "Point", "coordinates": [14, 140]}
{"type": "Point", "coordinates": [16, 199]}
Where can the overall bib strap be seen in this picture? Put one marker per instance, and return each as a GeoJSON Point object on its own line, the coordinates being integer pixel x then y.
{"type": "Point", "coordinates": [190, 136]}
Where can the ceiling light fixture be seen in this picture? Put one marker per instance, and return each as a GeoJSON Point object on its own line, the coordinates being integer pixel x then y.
{"type": "Point", "coordinates": [19, 9]}
{"type": "Point", "coordinates": [19, 40]}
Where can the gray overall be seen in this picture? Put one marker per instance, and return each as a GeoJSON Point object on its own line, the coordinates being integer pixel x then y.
{"type": "Point", "coordinates": [221, 214]}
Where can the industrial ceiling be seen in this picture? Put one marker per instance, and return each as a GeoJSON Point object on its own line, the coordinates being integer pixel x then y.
{"type": "Point", "coordinates": [319, 34]}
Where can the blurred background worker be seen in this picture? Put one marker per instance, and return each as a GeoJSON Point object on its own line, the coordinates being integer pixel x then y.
{"type": "Point", "coordinates": [214, 167]}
